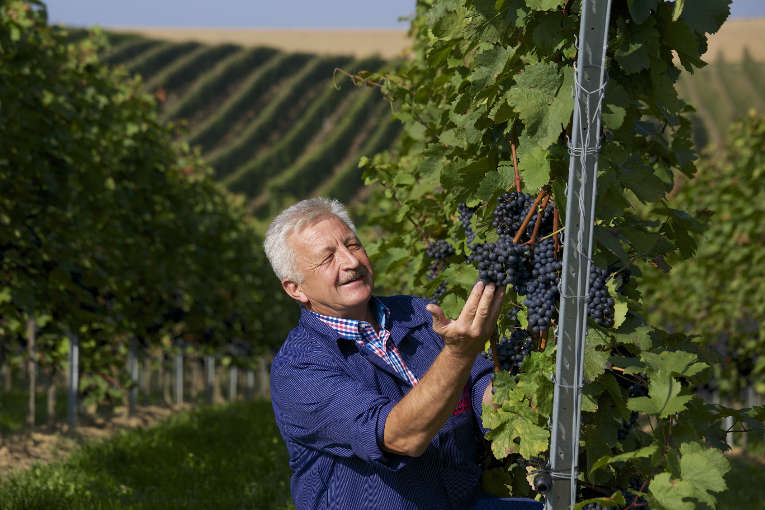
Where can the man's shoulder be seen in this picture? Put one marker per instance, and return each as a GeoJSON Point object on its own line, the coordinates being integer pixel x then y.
{"type": "Point", "coordinates": [405, 307]}
{"type": "Point", "coordinates": [301, 342]}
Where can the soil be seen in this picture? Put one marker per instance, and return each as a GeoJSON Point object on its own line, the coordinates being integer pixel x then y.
{"type": "Point", "coordinates": [20, 451]}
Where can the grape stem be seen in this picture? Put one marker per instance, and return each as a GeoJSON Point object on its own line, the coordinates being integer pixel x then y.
{"type": "Point", "coordinates": [356, 79]}
{"type": "Point", "coordinates": [548, 236]}
{"type": "Point", "coordinates": [515, 166]}
{"type": "Point", "coordinates": [539, 222]}
{"type": "Point", "coordinates": [556, 226]}
{"type": "Point", "coordinates": [529, 215]}
{"type": "Point", "coordinates": [543, 340]}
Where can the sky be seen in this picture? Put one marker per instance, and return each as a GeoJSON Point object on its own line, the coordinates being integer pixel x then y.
{"type": "Point", "coordinates": [262, 13]}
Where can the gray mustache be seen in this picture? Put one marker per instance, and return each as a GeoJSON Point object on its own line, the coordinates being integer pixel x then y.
{"type": "Point", "coordinates": [349, 277]}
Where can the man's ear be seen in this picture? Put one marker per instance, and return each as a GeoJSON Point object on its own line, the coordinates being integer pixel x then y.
{"type": "Point", "coordinates": [294, 291]}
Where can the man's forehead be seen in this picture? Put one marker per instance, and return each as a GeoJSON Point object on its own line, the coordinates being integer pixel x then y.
{"type": "Point", "coordinates": [323, 229]}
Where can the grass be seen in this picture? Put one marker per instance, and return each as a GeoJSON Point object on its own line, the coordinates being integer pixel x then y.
{"type": "Point", "coordinates": [746, 485]}
{"type": "Point", "coordinates": [227, 456]}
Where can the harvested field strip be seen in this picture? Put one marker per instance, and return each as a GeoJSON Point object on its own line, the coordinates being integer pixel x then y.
{"type": "Point", "coordinates": [129, 50]}
{"type": "Point", "coordinates": [712, 133]}
{"type": "Point", "coordinates": [314, 166]}
{"type": "Point", "coordinates": [217, 83]}
{"type": "Point", "coordinates": [270, 120]}
{"type": "Point", "coordinates": [346, 182]}
{"type": "Point", "coordinates": [248, 100]}
{"type": "Point", "coordinates": [754, 71]}
{"type": "Point", "coordinates": [176, 76]}
{"type": "Point", "coordinates": [316, 118]}
{"type": "Point", "coordinates": [723, 93]}
{"type": "Point", "coordinates": [740, 88]}
{"type": "Point", "coordinates": [687, 94]}
{"type": "Point", "coordinates": [708, 106]}
{"type": "Point", "coordinates": [154, 61]}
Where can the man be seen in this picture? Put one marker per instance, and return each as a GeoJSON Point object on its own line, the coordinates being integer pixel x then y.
{"type": "Point", "coordinates": [378, 398]}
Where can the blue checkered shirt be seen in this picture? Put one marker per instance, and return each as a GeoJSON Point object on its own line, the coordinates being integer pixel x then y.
{"type": "Point", "coordinates": [366, 337]}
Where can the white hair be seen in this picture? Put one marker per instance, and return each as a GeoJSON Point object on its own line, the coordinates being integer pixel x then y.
{"type": "Point", "coordinates": [293, 219]}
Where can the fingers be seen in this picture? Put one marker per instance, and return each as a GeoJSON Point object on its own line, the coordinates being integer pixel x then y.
{"type": "Point", "coordinates": [439, 318]}
{"type": "Point", "coordinates": [471, 305]}
{"type": "Point", "coordinates": [488, 308]}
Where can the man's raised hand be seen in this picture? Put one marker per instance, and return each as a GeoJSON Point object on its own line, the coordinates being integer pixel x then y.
{"type": "Point", "coordinates": [467, 335]}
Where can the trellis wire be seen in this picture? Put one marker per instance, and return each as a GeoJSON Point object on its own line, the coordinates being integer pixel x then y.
{"type": "Point", "coordinates": [589, 89]}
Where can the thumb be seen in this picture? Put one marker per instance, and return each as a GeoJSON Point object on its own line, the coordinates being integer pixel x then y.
{"type": "Point", "coordinates": [439, 318]}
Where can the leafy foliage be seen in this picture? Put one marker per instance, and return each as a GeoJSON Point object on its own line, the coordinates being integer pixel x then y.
{"type": "Point", "coordinates": [492, 80]}
{"type": "Point", "coordinates": [111, 229]}
{"type": "Point", "coordinates": [718, 294]}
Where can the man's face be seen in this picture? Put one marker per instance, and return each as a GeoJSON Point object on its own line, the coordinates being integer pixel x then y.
{"type": "Point", "coordinates": [337, 276]}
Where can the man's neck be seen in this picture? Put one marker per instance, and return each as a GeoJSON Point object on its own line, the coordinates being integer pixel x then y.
{"type": "Point", "coordinates": [362, 313]}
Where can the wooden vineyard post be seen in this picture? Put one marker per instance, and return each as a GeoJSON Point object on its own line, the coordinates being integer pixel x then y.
{"type": "Point", "coordinates": [31, 371]}
{"type": "Point", "coordinates": [589, 78]}
{"type": "Point", "coordinates": [210, 378]}
{"type": "Point", "coordinates": [73, 387]}
{"type": "Point", "coordinates": [134, 379]}
{"type": "Point", "coordinates": [263, 379]}
{"type": "Point", "coordinates": [233, 379]}
{"type": "Point", "coordinates": [250, 381]}
{"type": "Point", "coordinates": [179, 376]}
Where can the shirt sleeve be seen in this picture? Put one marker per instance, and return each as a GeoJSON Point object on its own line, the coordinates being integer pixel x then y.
{"type": "Point", "coordinates": [323, 408]}
{"type": "Point", "coordinates": [480, 376]}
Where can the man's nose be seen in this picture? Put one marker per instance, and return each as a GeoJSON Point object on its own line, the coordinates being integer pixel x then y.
{"type": "Point", "coordinates": [347, 257]}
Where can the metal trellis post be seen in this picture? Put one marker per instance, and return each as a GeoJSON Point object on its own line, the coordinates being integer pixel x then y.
{"type": "Point", "coordinates": [580, 214]}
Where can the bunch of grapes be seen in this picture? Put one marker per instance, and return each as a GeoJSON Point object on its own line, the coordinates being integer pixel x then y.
{"type": "Point", "coordinates": [512, 351]}
{"type": "Point", "coordinates": [439, 252]}
{"type": "Point", "coordinates": [466, 214]}
{"type": "Point", "coordinates": [509, 213]}
{"type": "Point", "coordinates": [438, 294]}
{"type": "Point", "coordinates": [542, 291]}
{"type": "Point", "coordinates": [600, 306]}
{"type": "Point", "coordinates": [502, 262]}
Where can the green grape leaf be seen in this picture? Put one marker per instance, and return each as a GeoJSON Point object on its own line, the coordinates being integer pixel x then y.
{"type": "Point", "coordinates": [533, 166]}
{"type": "Point", "coordinates": [544, 5]}
{"type": "Point", "coordinates": [542, 98]}
{"type": "Point", "coordinates": [640, 453]}
{"type": "Point", "coordinates": [671, 494]}
{"type": "Point", "coordinates": [704, 468]}
{"type": "Point", "coordinates": [701, 472]}
{"type": "Point", "coordinates": [488, 65]}
{"type": "Point", "coordinates": [707, 16]}
{"type": "Point", "coordinates": [594, 363]}
{"type": "Point", "coordinates": [452, 305]}
{"type": "Point", "coordinates": [664, 397]}
{"type": "Point", "coordinates": [678, 11]}
{"type": "Point", "coordinates": [640, 10]}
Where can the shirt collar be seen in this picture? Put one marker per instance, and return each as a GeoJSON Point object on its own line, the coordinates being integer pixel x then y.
{"type": "Point", "coordinates": [403, 317]}
{"type": "Point", "coordinates": [351, 328]}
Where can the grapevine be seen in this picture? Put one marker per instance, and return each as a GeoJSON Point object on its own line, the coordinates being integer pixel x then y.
{"type": "Point", "coordinates": [486, 107]}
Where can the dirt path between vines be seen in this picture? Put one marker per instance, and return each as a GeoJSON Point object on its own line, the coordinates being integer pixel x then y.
{"type": "Point", "coordinates": [20, 451]}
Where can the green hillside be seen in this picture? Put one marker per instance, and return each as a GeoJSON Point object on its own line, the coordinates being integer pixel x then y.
{"type": "Point", "coordinates": [275, 126]}
{"type": "Point", "coordinates": [278, 127]}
